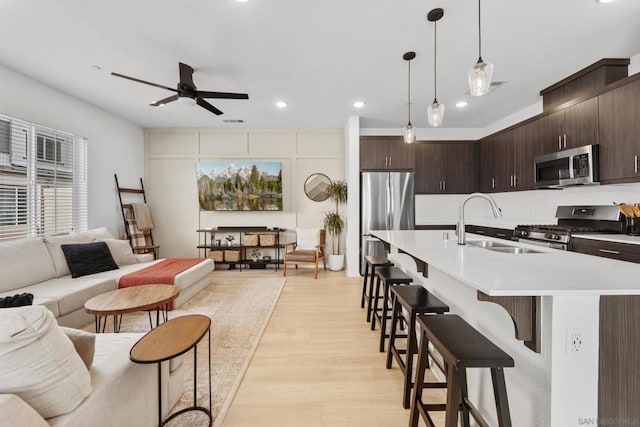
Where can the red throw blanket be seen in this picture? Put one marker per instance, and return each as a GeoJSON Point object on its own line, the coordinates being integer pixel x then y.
{"type": "Point", "coordinates": [162, 273]}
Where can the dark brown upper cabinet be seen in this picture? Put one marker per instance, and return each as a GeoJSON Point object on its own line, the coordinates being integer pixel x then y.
{"type": "Point", "coordinates": [525, 140]}
{"type": "Point", "coordinates": [572, 127]}
{"type": "Point", "coordinates": [385, 153]}
{"type": "Point", "coordinates": [506, 159]}
{"type": "Point", "coordinates": [446, 167]}
{"type": "Point", "coordinates": [619, 112]}
{"type": "Point", "coordinates": [488, 173]}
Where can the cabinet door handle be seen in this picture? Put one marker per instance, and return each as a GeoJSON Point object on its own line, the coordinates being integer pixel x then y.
{"type": "Point", "coordinates": [444, 185]}
{"type": "Point", "coordinates": [609, 251]}
{"type": "Point", "coordinates": [559, 142]}
{"type": "Point", "coordinates": [564, 140]}
{"type": "Point", "coordinates": [515, 180]}
{"type": "Point", "coordinates": [501, 235]}
{"type": "Point", "coordinates": [389, 161]}
{"type": "Point", "coordinates": [635, 163]}
{"type": "Point", "coordinates": [493, 183]}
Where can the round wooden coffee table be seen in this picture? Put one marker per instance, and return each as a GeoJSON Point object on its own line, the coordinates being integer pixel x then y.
{"type": "Point", "coordinates": [169, 340]}
{"type": "Point", "coordinates": [129, 300]}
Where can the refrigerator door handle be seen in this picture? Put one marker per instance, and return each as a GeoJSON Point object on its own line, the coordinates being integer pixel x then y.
{"type": "Point", "coordinates": [389, 201]}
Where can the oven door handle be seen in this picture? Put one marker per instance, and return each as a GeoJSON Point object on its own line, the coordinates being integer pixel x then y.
{"type": "Point", "coordinates": [551, 245]}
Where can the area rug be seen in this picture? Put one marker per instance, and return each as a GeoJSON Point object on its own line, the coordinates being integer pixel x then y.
{"type": "Point", "coordinates": [240, 309]}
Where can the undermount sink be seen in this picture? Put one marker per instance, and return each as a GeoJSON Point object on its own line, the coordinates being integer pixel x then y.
{"type": "Point", "coordinates": [501, 247]}
{"type": "Point", "coordinates": [487, 244]}
{"type": "Point", "coordinates": [514, 250]}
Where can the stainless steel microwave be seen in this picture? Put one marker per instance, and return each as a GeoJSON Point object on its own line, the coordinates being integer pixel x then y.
{"type": "Point", "coordinates": [575, 166]}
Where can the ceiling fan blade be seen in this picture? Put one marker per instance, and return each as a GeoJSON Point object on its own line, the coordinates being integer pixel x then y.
{"type": "Point", "coordinates": [164, 101]}
{"type": "Point", "coordinates": [186, 75]}
{"type": "Point", "coordinates": [144, 82]}
{"type": "Point", "coordinates": [222, 95]}
{"type": "Point", "coordinates": [204, 104]}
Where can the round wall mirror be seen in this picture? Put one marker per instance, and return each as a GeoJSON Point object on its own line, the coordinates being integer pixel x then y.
{"type": "Point", "coordinates": [315, 187]}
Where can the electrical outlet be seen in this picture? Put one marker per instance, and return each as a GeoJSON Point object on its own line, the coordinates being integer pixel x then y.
{"type": "Point", "coordinates": [575, 342]}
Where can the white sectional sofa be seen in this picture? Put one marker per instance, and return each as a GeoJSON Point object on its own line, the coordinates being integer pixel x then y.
{"type": "Point", "coordinates": [121, 393]}
{"type": "Point", "coordinates": [38, 266]}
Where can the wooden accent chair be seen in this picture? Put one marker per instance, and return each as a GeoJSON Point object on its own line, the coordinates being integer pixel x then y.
{"type": "Point", "coordinates": [308, 249]}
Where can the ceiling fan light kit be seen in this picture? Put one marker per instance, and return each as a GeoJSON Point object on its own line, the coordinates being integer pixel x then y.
{"type": "Point", "coordinates": [409, 132]}
{"type": "Point", "coordinates": [481, 73]}
{"type": "Point", "coordinates": [435, 111]}
{"type": "Point", "coordinates": [186, 92]}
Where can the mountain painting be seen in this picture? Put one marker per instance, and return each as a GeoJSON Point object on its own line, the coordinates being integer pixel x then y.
{"type": "Point", "coordinates": [239, 186]}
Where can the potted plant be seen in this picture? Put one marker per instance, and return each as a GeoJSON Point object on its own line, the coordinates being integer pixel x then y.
{"type": "Point", "coordinates": [334, 223]}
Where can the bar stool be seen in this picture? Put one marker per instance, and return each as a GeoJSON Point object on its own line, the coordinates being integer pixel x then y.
{"type": "Point", "coordinates": [461, 347]}
{"type": "Point", "coordinates": [371, 262]}
{"type": "Point", "coordinates": [415, 299]}
{"type": "Point", "coordinates": [386, 277]}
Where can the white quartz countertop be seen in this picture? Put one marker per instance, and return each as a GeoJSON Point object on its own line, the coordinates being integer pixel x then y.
{"type": "Point", "coordinates": [550, 272]}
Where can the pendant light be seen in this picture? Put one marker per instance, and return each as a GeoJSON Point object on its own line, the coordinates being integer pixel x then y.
{"type": "Point", "coordinates": [435, 112]}
{"type": "Point", "coordinates": [481, 73]}
{"type": "Point", "coordinates": [409, 132]}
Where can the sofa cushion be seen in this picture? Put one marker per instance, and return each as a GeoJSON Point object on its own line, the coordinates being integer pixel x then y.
{"type": "Point", "coordinates": [55, 250]}
{"type": "Point", "coordinates": [16, 413]}
{"type": "Point", "coordinates": [39, 364]}
{"type": "Point", "coordinates": [71, 294]}
{"type": "Point", "coordinates": [24, 262]}
{"type": "Point", "coordinates": [120, 251]}
{"type": "Point", "coordinates": [17, 300]}
{"type": "Point", "coordinates": [88, 258]}
{"type": "Point", "coordinates": [83, 342]}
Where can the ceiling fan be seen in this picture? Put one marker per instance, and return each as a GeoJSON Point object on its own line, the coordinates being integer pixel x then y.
{"type": "Point", "coordinates": [187, 91]}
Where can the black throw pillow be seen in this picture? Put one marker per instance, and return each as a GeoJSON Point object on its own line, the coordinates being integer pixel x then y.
{"type": "Point", "coordinates": [18, 300]}
{"type": "Point", "coordinates": [88, 258]}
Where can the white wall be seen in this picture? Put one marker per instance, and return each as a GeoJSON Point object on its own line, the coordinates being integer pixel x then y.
{"type": "Point", "coordinates": [115, 145]}
{"type": "Point", "coordinates": [171, 155]}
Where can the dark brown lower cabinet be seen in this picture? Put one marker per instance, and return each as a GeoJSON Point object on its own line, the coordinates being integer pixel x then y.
{"type": "Point", "coordinates": [614, 250]}
{"type": "Point", "coordinates": [619, 360]}
{"type": "Point", "coordinates": [500, 233]}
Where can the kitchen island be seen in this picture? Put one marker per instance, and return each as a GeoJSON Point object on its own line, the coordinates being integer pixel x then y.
{"type": "Point", "coordinates": [562, 377]}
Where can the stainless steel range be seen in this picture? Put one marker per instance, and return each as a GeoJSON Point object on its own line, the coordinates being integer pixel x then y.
{"type": "Point", "coordinates": [572, 220]}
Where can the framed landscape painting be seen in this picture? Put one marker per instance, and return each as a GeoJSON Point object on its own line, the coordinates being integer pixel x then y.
{"type": "Point", "coordinates": [239, 186]}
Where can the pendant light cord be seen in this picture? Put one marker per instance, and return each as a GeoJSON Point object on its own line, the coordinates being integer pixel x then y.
{"type": "Point", "coordinates": [435, 60]}
{"type": "Point", "coordinates": [409, 91]}
{"type": "Point", "coordinates": [479, 33]}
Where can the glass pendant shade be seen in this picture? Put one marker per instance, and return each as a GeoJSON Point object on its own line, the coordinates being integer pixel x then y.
{"type": "Point", "coordinates": [480, 78]}
{"type": "Point", "coordinates": [409, 134]}
{"type": "Point", "coordinates": [435, 113]}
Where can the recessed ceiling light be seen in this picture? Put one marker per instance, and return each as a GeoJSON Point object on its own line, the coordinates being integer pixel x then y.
{"type": "Point", "coordinates": [242, 1]}
{"type": "Point", "coordinates": [358, 104]}
{"type": "Point", "coordinates": [461, 104]}
{"type": "Point", "coordinates": [281, 104]}
{"type": "Point", "coordinates": [96, 67]}
{"type": "Point", "coordinates": [604, 1]}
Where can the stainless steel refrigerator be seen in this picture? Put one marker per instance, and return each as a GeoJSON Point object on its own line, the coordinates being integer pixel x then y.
{"type": "Point", "coordinates": [387, 202]}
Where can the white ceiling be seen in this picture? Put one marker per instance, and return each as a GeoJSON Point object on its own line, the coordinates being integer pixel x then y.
{"type": "Point", "coordinates": [320, 56]}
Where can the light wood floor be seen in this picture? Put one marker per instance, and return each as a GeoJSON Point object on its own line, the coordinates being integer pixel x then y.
{"type": "Point", "coordinates": [318, 362]}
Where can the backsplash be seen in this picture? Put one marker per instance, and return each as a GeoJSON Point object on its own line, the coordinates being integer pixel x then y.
{"type": "Point", "coordinates": [536, 206]}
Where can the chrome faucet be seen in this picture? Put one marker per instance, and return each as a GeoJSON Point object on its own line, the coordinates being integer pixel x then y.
{"type": "Point", "coordinates": [460, 228]}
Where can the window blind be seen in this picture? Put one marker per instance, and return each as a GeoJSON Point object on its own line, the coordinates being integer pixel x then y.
{"type": "Point", "coordinates": [43, 180]}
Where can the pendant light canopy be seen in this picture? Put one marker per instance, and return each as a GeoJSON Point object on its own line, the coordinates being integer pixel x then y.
{"type": "Point", "coordinates": [409, 132]}
{"type": "Point", "coordinates": [482, 72]}
{"type": "Point", "coordinates": [435, 112]}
